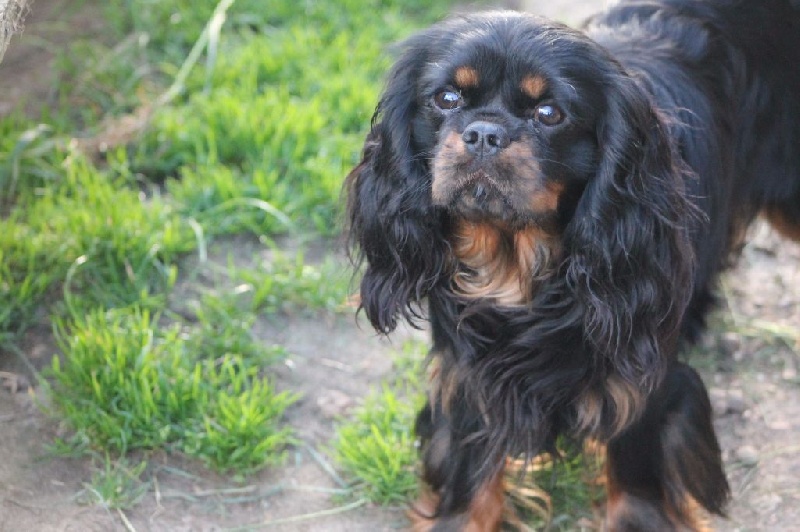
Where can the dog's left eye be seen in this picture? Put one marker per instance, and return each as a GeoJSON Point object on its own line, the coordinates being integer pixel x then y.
{"type": "Point", "coordinates": [448, 99]}
{"type": "Point", "coordinates": [548, 114]}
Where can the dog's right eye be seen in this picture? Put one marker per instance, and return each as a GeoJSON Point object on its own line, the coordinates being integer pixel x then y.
{"type": "Point", "coordinates": [448, 99]}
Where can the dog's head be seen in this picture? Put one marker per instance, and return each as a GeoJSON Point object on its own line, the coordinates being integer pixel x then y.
{"type": "Point", "coordinates": [508, 108]}
{"type": "Point", "coordinates": [505, 145]}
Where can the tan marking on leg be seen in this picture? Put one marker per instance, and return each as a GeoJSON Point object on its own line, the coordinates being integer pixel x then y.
{"type": "Point", "coordinates": [488, 506]}
{"type": "Point", "coordinates": [421, 512]}
{"type": "Point", "coordinates": [485, 513]}
{"type": "Point", "coordinates": [626, 511]}
{"type": "Point", "coordinates": [443, 386]}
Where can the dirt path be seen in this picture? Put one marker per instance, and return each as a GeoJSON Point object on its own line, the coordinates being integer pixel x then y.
{"type": "Point", "coordinates": [751, 371]}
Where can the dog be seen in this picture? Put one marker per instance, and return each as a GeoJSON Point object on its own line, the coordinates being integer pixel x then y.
{"type": "Point", "coordinates": [558, 204]}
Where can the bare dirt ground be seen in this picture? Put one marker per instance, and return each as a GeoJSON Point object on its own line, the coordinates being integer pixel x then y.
{"type": "Point", "coordinates": [750, 367]}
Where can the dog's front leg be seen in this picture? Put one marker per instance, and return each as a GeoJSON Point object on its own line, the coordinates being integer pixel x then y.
{"type": "Point", "coordinates": [463, 490]}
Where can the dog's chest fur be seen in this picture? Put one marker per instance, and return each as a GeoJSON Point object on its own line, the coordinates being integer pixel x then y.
{"type": "Point", "coordinates": [499, 264]}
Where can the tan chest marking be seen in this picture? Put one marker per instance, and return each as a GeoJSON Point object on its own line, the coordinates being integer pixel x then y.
{"type": "Point", "coordinates": [501, 265]}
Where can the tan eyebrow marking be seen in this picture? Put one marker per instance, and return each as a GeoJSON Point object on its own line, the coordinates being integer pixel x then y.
{"type": "Point", "coordinates": [466, 77]}
{"type": "Point", "coordinates": [534, 86]}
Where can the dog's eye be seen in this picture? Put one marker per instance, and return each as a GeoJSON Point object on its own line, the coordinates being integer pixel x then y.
{"type": "Point", "coordinates": [448, 99]}
{"type": "Point", "coordinates": [548, 114]}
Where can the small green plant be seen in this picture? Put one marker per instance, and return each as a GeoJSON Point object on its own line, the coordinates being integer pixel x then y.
{"type": "Point", "coordinates": [29, 158]}
{"type": "Point", "coordinates": [27, 271]}
{"type": "Point", "coordinates": [122, 383]}
{"type": "Point", "coordinates": [116, 485]}
{"type": "Point", "coordinates": [118, 249]}
{"type": "Point", "coordinates": [240, 429]}
{"type": "Point", "coordinates": [376, 447]}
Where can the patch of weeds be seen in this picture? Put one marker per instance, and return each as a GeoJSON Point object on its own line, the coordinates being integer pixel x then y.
{"type": "Point", "coordinates": [171, 27]}
{"type": "Point", "coordinates": [122, 383]}
{"type": "Point", "coordinates": [29, 159]}
{"type": "Point", "coordinates": [376, 447]}
{"type": "Point", "coordinates": [95, 80]}
{"type": "Point", "coordinates": [73, 446]}
{"type": "Point", "coordinates": [240, 431]}
{"type": "Point", "coordinates": [282, 106]}
{"type": "Point", "coordinates": [117, 485]}
{"type": "Point", "coordinates": [409, 367]}
{"type": "Point", "coordinates": [125, 384]}
{"type": "Point", "coordinates": [295, 164]}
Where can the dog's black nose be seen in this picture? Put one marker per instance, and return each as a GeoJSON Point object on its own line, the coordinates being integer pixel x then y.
{"type": "Point", "coordinates": [485, 138]}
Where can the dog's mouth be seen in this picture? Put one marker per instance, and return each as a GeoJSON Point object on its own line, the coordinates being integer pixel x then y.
{"type": "Point", "coordinates": [478, 195]}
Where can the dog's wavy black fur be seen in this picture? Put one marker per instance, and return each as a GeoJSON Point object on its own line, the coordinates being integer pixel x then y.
{"type": "Point", "coordinates": [615, 170]}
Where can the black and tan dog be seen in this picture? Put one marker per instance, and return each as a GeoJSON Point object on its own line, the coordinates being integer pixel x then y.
{"type": "Point", "coordinates": [559, 205]}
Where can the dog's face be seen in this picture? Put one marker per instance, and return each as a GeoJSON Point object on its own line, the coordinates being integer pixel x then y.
{"type": "Point", "coordinates": [511, 128]}
{"type": "Point", "coordinates": [514, 161]}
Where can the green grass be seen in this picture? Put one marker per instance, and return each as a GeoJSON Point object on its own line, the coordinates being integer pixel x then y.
{"type": "Point", "coordinates": [125, 384]}
{"type": "Point", "coordinates": [254, 134]}
{"type": "Point", "coordinates": [27, 271]}
{"type": "Point", "coordinates": [291, 285]}
{"type": "Point", "coordinates": [375, 447]}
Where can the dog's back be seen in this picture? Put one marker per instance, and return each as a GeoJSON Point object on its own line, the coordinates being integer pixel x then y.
{"type": "Point", "coordinates": [726, 75]}
{"type": "Point", "coordinates": [743, 60]}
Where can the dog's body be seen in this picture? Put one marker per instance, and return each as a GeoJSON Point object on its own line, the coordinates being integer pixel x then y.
{"type": "Point", "coordinates": [564, 201]}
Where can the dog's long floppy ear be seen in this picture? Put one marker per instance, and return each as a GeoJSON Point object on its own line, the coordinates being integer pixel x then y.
{"type": "Point", "coordinates": [392, 223]}
{"type": "Point", "coordinates": [630, 259]}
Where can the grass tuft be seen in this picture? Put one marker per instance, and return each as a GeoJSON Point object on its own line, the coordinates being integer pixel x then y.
{"type": "Point", "coordinates": [116, 485]}
{"type": "Point", "coordinates": [163, 138]}
{"type": "Point", "coordinates": [125, 384]}
{"type": "Point", "coordinates": [376, 447]}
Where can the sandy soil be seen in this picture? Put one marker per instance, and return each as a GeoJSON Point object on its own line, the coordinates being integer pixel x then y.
{"type": "Point", "coordinates": [752, 373]}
